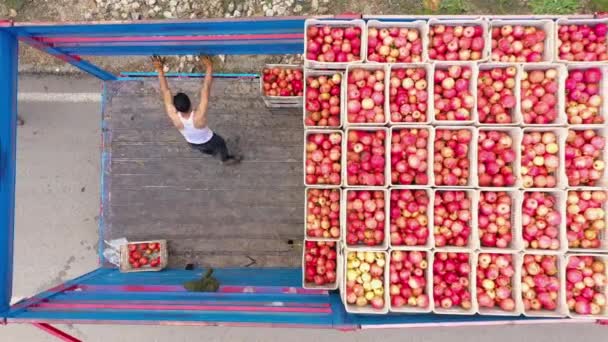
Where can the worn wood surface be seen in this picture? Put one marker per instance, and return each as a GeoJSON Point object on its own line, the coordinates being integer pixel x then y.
{"type": "Point", "coordinates": [156, 186]}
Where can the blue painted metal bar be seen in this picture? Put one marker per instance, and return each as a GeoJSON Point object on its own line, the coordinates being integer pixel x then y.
{"type": "Point", "coordinates": [341, 319]}
{"type": "Point", "coordinates": [102, 183]}
{"type": "Point", "coordinates": [282, 277]}
{"type": "Point", "coordinates": [9, 49]}
{"type": "Point", "coordinates": [322, 320]}
{"type": "Point", "coordinates": [166, 28]}
{"type": "Point", "coordinates": [267, 47]}
{"type": "Point", "coordinates": [68, 58]}
{"type": "Point", "coordinates": [82, 296]}
{"type": "Point", "coordinates": [24, 304]}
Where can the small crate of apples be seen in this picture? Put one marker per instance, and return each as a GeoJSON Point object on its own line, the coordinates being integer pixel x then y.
{"type": "Point", "coordinates": [143, 256]}
{"type": "Point", "coordinates": [282, 85]}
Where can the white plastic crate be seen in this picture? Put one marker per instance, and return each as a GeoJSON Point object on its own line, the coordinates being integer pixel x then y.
{"type": "Point", "coordinates": [547, 25]}
{"type": "Point", "coordinates": [602, 234]}
{"type": "Point", "coordinates": [516, 242]}
{"type": "Point", "coordinates": [308, 132]}
{"type": "Point", "coordinates": [387, 166]}
{"type": "Point", "coordinates": [334, 23]}
{"type": "Point", "coordinates": [516, 113]}
{"type": "Point", "coordinates": [430, 241]}
{"type": "Point", "coordinates": [516, 135]}
{"type": "Point", "coordinates": [344, 99]}
{"type": "Point", "coordinates": [602, 130]}
{"type": "Point", "coordinates": [562, 309]}
{"type": "Point", "coordinates": [429, 147]}
{"type": "Point", "coordinates": [366, 309]}
{"type": "Point", "coordinates": [428, 288]}
{"type": "Point", "coordinates": [344, 214]}
{"type": "Point", "coordinates": [604, 289]}
{"type": "Point", "coordinates": [420, 25]}
{"type": "Point", "coordinates": [567, 21]}
{"type": "Point", "coordinates": [472, 285]}
{"type": "Point", "coordinates": [603, 91]}
{"type": "Point", "coordinates": [560, 174]}
{"type": "Point", "coordinates": [471, 155]}
{"type": "Point", "coordinates": [329, 73]}
{"type": "Point", "coordinates": [281, 101]}
{"type": "Point", "coordinates": [312, 238]}
{"type": "Point", "coordinates": [485, 54]}
{"type": "Point", "coordinates": [560, 207]}
{"type": "Point", "coordinates": [339, 266]}
{"type": "Point", "coordinates": [473, 242]}
{"type": "Point", "coordinates": [562, 72]}
{"type": "Point", "coordinates": [515, 286]}
{"type": "Point", "coordinates": [472, 89]}
{"type": "Point", "coordinates": [430, 111]}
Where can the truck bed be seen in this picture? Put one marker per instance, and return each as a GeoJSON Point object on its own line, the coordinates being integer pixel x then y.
{"type": "Point", "coordinates": [155, 186]}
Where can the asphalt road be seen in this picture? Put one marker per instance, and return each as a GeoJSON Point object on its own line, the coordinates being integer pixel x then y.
{"type": "Point", "coordinates": [56, 232]}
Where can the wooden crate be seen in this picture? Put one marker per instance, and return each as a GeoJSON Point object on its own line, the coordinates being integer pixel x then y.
{"type": "Point", "coordinates": [124, 257]}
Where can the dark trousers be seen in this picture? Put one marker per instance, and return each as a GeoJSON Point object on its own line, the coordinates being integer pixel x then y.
{"type": "Point", "coordinates": [216, 147]}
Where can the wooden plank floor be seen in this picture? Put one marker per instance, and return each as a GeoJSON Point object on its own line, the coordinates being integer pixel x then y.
{"type": "Point", "coordinates": [156, 186]}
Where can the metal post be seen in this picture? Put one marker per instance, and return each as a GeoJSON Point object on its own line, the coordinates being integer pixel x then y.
{"type": "Point", "coordinates": [8, 120]}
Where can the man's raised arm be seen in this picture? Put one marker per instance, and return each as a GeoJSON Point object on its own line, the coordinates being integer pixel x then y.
{"type": "Point", "coordinates": [200, 115]}
{"type": "Point", "coordinates": [165, 92]}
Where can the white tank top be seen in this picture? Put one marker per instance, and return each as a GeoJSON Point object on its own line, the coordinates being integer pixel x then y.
{"type": "Point", "coordinates": [192, 134]}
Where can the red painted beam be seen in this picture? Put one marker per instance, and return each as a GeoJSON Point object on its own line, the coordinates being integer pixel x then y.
{"type": "Point", "coordinates": [56, 332]}
{"type": "Point", "coordinates": [183, 323]}
{"type": "Point", "coordinates": [60, 40]}
{"type": "Point", "coordinates": [179, 288]}
{"type": "Point", "coordinates": [188, 302]}
{"type": "Point", "coordinates": [160, 307]}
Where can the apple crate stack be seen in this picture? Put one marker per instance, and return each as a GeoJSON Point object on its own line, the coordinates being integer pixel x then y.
{"type": "Point", "coordinates": [457, 166]}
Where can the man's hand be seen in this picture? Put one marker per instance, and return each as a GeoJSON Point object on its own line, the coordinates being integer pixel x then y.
{"type": "Point", "coordinates": [206, 62]}
{"type": "Point", "coordinates": [158, 62]}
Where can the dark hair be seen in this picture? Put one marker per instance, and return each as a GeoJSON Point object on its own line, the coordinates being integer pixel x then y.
{"type": "Point", "coordinates": [181, 102]}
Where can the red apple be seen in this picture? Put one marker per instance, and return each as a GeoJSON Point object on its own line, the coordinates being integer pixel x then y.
{"type": "Point", "coordinates": [452, 93]}
{"type": "Point", "coordinates": [585, 218]}
{"type": "Point", "coordinates": [496, 95]}
{"type": "Point", "coordinates": [409, 276]}
{"type": "Point", "coordinates": [394, 45]}
{"type": "Point", "coordinates": [279, 81]}
{"type": "Point", "coordinates": [365, 218]}
{"type": "Point", "coordinates": [323, 158]}
{"type": "Point", "coordinates": [518, 43]}
{"type": "Point", "coordinates": [408, 95]}
{"type": "Point", "coordinates": [366, 157]}
{"type": "Point", "coordinates": [322, 100]}
{"type": "Point", "coordinates": [323, 213]}
{"type": "Point", "coordinates": [409, 222]}
{"type": "Point", "coordinates": [320, 263]}
{"type": "Point", "coordinates": [582, 43]}
{"type": "Point", "coordinates": [452, 283]}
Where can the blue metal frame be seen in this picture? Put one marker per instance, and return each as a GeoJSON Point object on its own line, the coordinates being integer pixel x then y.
{"type": "Point", "coordinates": [259, 25]}
{"type": "Point", "coordinates": [286, 278]}
{"type": "Point", "coordinates": [30, 310]}
{"type": "Point", "coordinates": [8, 131]}
{"type": "Point", "coordinates": [73, 60]}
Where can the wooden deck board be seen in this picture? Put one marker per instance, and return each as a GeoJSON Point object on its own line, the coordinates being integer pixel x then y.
{"type": "Point", "coordinates": [157, 186]}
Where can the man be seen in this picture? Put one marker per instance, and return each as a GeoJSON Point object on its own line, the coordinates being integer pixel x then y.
{"type": "Point", "coordinates": [192, 123]}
